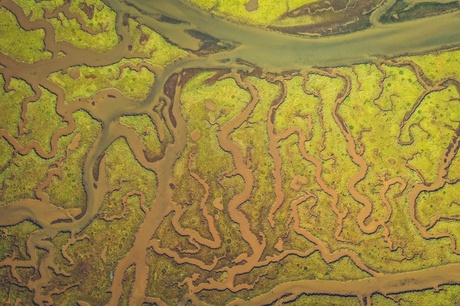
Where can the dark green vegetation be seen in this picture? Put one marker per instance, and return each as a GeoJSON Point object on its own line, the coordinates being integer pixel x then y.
{"type": "Point", "coordinates": [402, 10]}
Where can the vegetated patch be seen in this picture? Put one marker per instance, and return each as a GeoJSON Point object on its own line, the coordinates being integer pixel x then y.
{"type": "Point", "coordinates": [402, 11]}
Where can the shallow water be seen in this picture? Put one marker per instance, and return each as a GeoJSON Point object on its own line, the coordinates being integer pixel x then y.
{"type": "Point", "coordinates": [276, 51]}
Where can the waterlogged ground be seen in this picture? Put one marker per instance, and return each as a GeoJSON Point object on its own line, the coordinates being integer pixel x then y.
{"type": "Point", "coordinates": [144, 161]}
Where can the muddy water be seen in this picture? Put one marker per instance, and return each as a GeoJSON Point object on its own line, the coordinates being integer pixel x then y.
{"type": "Point", "coordinates": [268, 50]}
{"type": "Point", "coordinates": [275, 51]}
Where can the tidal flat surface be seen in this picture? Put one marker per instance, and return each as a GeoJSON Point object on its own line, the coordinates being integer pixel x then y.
{"type": "Point", "coordinates": [229, 152]}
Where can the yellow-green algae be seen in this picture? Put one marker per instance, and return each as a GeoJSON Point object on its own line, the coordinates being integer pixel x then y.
{"type": "Point", "coordinates": [91, 80]}
{"type": "Point", "coordinates": [210, 161]}
{"type": "Point", "coordinates": [36, 9]}
{"type": "Point", "coordinates": [448, 295]}
{"type": "Point", "coordinates": [22, 177]}
{"type": "Point", "coordinates": [19, 44]}
{"type": "Point", "coordinates": [123, 174]}
{"type": "Point", "coordinates": [12, 291]}
{"type": "Point", "coordinates": [326, 300]}
{"type": "Point", "coordinates": [421, 253]}
{"type": "Point", "coordinates": [266, 13]}
{"type": "Point", "coordinates": [7, 152]}
{"type": "Point", "coordinates": [147, 132]}
{"type": "Point", "coordinates": [11, 104]}
{"type": "Point", "coordinates": [252, 137]}
{"type": "Point", "coordinates": [70, 30]}
{"type": "Point", "coordinates": [14, 240]}
{"type": "Point", "coordinates": [148, 42]}
{"type": "Point", "coordinates": [42, 120]}
{"type": "Point", "coordinates": [454, 169]}
{"type": "Point", "coordinates": [100, 17]}
{"type": "Point", "coordinates": [439, 65]}
{"type": "Point", "coordinates": [66, 190]}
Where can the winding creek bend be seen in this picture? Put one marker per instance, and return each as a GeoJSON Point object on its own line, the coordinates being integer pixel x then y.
{"type": "Point", "coordinates": [261, 185]}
